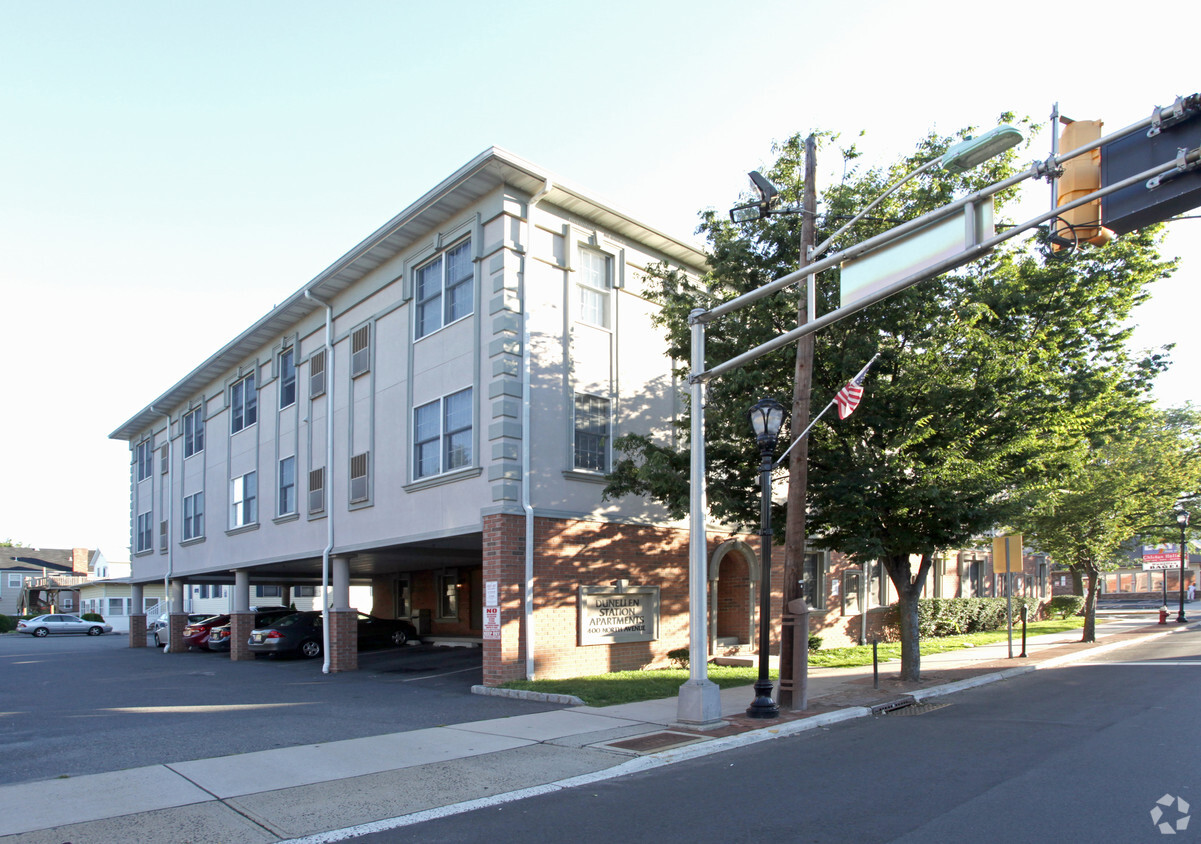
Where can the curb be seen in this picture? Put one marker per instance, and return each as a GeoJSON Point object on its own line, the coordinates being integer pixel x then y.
{"type": "Point", "coordinates": [523, 694]}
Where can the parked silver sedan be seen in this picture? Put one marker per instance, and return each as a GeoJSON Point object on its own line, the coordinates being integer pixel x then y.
{"type": "Point", "coordinates": [44, 625]}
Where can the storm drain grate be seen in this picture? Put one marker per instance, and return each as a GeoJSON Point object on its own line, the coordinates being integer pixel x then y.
{"type": "Point", "coordinates": [653, 742]}
{"type": "Point", "coordinates": [915, 709]}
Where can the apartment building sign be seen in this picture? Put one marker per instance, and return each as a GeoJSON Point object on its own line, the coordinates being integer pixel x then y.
{"type": "Point", "coordinates": [619, 613]}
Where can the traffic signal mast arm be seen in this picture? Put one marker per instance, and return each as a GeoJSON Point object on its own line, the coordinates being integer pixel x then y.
{"type": "Point", "coordinates": [1190, 158]}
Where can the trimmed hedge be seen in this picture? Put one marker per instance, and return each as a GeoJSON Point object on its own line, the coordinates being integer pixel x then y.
{"type": "Point", "coordinates": [1065, 605]}
{"type": "Point", "coordinates": [954, 616]}
{"type": "Point", "coordinates": [7, 624]}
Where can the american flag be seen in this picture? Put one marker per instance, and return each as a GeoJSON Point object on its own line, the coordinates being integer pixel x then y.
{"type": "Point", "coordinates": [848, 397]}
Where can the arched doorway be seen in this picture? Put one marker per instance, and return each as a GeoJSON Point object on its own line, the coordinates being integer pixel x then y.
{"type": "Point", "coordinates": [733, 573]}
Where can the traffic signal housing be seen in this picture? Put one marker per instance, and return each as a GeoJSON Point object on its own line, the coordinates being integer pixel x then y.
{"type": "Point", "coordinates": [1081, 176]}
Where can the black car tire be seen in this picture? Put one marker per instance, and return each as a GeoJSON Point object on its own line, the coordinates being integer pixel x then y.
{"type": "Point", "coordinates": [157, 643]}
{"type": "Point", "coordinates": [95, 631]}
{"type": "Point", "coordinates": [310, 648]}
{"type": "Point", "coordinates": [40, 632]}
{"type": "Point", "coordinates": [399, 637]}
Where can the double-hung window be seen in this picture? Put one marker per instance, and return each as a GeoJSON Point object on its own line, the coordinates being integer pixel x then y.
{"type": "Point", "coordinates": [144, 459]}
{"type": "Point", "coordinates": [287, 487]}
{"type": "Point", "coordinates": [143, 541]}
{"type": "Point", "coordinates": [444, 289]}
{"type": "Point", "coordinates": [243, 501]}
{"type": "Point", "coordinates": [244, 404]}
{"type": "Point", "coordinates": [287, 378]}
{"type": "Point", "coordinates": [592, 288]}
{"type": "Point", "coordinates": [442, 435]}
{"type": "Point", "coordinates": [193, 516]}
{"type": "Point", "coordinates": [193, 432]}
{"type": "Point", "coordinates": [591, 433]}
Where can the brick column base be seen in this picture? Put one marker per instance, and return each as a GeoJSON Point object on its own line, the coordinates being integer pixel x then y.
{"type": "Point", "coordinates": [343, 640]}
{"type": "Point", "coordinates": [240, 625]}
{"type": "Point", "coordinates": [137, 631]}
{"type": "Point", "coordinates": [177, 621]}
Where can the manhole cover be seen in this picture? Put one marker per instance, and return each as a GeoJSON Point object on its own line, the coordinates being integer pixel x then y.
{"type": "Point", "coordinates": [916, 709]}
{"type": "Point", "coordinates": [653, 741]}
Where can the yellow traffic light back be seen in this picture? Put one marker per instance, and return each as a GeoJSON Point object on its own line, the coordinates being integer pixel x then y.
{"type": "Point", "coordinates": [1081, 176]}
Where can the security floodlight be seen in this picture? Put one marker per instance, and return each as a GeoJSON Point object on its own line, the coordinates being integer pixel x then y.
{"type": "Point", "coordinates": [968, 153]}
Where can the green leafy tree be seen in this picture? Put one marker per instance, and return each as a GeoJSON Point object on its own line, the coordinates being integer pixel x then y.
{"type": "Point", "coordinates": [973, 404]}
{"type": "Point", "coordinates": [1116, 485]}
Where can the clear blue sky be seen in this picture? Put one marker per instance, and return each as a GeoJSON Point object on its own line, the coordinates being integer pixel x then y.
{"type": "Point", "coordinates": [169, 171]}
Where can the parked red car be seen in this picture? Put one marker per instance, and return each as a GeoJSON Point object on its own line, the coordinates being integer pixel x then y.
{"type": "Point", "coordinates": [196, 634]}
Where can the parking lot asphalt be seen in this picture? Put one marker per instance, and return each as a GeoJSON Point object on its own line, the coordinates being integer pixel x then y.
{"type": "Point", "coordinates": [74, 705]}
{"type": "Point", "coordinates": [321, 789]}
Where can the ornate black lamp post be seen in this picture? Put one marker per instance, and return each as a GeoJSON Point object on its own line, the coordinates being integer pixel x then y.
{"type": "Point", "coordinates": [1182, 520]}
{"type": "Point", "coordinates": [767, 417]}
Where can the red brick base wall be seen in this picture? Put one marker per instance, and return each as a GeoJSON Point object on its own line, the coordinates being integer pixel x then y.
{"type": "Point", "coordinates": [177, 622]}
{"type": "Point", "coordinates": [343, 640]}
{"type": "Point", "coordinates": [574, 553]}
{"type": "Point", "coordinates": [240, 625]}
{"type": "Point", "coordinates": [137, 631]}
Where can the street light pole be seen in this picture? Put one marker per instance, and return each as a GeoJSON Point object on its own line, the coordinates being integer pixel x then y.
{"type": "Point", "coordinates": [1182, 520]}
{"type": "Point", "coordinates": [767, 417]}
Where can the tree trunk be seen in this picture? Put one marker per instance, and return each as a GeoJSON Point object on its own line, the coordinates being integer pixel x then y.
{"type": "Point", "coordinates": [1090, 605]}
{"type": "Point", "coordinates": [909, 589]}
{"type": "Point", "coordinates": [1077, 582]}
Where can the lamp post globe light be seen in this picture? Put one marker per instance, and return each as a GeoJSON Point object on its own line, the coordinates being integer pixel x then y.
{"type": "Point", "coordinates": [767, 418]}
{"type": "Point", "coordinates": [1182, 520]}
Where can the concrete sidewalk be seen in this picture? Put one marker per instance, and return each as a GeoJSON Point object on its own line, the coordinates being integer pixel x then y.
{"type": "Point", "coordinates": [331, 791]}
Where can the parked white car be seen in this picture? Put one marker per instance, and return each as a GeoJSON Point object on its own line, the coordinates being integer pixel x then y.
{"type": "Point", "coordinates": [44, 625]}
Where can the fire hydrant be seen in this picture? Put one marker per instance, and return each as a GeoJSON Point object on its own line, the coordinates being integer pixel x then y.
{"type": "Point", "coordinates": [1163, 615]}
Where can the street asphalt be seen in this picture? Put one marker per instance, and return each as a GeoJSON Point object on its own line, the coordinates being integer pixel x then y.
{"type": "Point", "coordinates": [115, 748]}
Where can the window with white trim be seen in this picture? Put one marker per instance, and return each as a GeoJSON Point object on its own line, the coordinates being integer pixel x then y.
{"type": "Point", "coordinates": [243, 404]}
{"type": "Point", "coordinates": [144, 540]}
{"type": "Point", "coordinates": [243, 501]}
{"type": "Point", "coordinates": [442, 435]}
{"type": "Point", "coordinates": [287, 378]}
{"type": "Point", "coordinates": [593, 286]}
{"type": "Point", "coordinates": [193, 432]}
{"type": "Point", "coordinates": [15, 580]}
{"type": "Point", "coordinates": [287, 487]}
{"type": "Point", "coordinates": [444, 290]}
{"type": "Point", "coordinates": [193, 516]}
{"type": "Point", "coordinates": [143, 457]}
{"type": "Point", "coordinates": [591, 433]}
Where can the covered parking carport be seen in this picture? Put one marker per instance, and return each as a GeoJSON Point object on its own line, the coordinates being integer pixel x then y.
{"type": "Point", "coordinates": [435, 584]}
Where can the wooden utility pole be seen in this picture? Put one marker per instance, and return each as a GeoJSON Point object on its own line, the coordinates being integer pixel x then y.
{"type": "Point", "coordinates": [798, 465]}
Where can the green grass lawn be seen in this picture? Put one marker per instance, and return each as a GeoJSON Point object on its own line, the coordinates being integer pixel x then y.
{"type": "Point", "coordinates": [629, 686]}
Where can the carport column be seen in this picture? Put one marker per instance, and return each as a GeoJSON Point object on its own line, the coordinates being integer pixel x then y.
{"type": "Point", "coordinates": [137, 617]}
{"type": "Point", "coordinates": [241, 620]}
{"type": "Point", "coordinates": [178, 619]}
{"type": "Point", "coordinates": [343, 626]}
{"type": "Point", "coordinates": [241, 590]}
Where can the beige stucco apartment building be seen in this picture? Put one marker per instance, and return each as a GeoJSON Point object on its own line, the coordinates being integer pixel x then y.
{"type": "Point", "coordinates": [433, 416]}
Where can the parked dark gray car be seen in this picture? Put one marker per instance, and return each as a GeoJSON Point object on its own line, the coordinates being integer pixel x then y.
{"type": "Point", "coordinates": [301, 633]}
{"type": "Point", "coordinates": [218, 639]}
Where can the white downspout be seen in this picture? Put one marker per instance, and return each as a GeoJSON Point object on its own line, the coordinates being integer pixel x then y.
{"type": "Point", "coordinates": [329, 476]}
{"type": "Point", "coordinates": [526, 444]}
{"type": "Point", "coordinates": [170, 544]}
